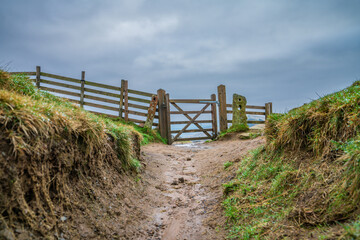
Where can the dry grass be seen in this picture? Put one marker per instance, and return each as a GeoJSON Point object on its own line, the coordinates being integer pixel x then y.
{"type": "Point", "coordinates": [47, 144]}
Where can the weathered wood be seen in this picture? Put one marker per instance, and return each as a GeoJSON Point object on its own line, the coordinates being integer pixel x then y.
{"type": "Point", "coordinates": [82, 90]}
{"type": "Point", "coordinates": [188, 112]}
{"type": "Point", "coordinates": [255, 107]}
{"type": "Point", "coordinates": [100, 106]}
{"type": "Point", "coordinates": [168, 126]}
{"type": "Point", "coordinates": [136, 113]}
{"type": "Point", "coordinates": [193, 130]}
{"type": "Point", "coordinates": [239, 106]}
{"type": "Point", "coordinates": [139, 100]}
{"type": "Point", "coordinates": [105, 114]}
{"type": "Point", "coordinates": [25, 73]}
{"type": "Point", "coordinates": [60, 91]}
{"type": "Point", "coordinates": [72, 100]}
{"type": "Point", "coordinates": [138, 106]}
{"type": "Point", "coordinates": [140, 93]}
{"type": "Point", "coordinates": [256, 122]}
{"type": "Point", "coordinates": [185, 122]}
{"type": "Point", "coordinates": [121, 105]}
{"type": "Point", "coordinates": [267, 110]}
{"type": "Point", "coordinates": [102, 92]}
{"type": "Point", "coordinates": [192, 121]}
{"type": "Point", "coordinates": [74, 80]}
{"type": "Point", "coordinates": [214, 116]}
{"type": "Point", "coordinates": [190, 139]}
{"type": "Point", "coordinates": [189, 100]}
{"type": "Point", "coordinates": [151, 112]}
{"type": "Point", "coordinates": [38, 71]}
{"type": "Point", "coordinates": [271, 110]}
{"type": "Point", "coordinates": [60, 84]}
{"type": "Point", "coordinates": [101, 85]}
{"type": "Point", "coordinates": [255, 113]}
{"type": "Point", "coordinates": [126, 101]}
{"type": "Point", "coordinates": [229, 105]}
{"type": "Point", "coordinates": [100, 99]}
{"type": "Point", "coordinates": [162, 113]}
{"type": "Point", "coordinates": [190, 118]}
{"type": "Point", "coordinates": [222, 107]}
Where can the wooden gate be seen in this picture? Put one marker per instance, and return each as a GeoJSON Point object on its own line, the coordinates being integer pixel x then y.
{"type": "Point", "coordinates": [208, 108]}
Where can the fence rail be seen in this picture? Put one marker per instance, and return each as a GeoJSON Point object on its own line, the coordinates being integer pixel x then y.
{"type": "Point", "coordinates": [114, 99]}
{"type": "Point", "coordinates": [144, 108]}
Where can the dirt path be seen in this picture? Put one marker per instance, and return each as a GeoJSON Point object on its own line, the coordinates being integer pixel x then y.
{"type": "Point", "coordinates": [184, 193]}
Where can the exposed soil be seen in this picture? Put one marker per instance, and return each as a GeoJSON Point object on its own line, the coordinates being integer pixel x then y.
{"type": "Point", "coordinates": [184, 187]}
{"type": "Point", "coordinates": [178, 195]}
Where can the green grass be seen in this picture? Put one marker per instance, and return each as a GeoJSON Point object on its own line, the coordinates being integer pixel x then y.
{"type": "Point", "coordinates": [234, 128]}
{"type": "Point", "coordinates": [228, 164]}
{"type": "Point", "coordinates": [307, 176]}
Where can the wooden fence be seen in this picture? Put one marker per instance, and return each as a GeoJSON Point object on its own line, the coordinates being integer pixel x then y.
{"type": "Point", "coordinates": [118, 101]}
{"type": "Point", "coordinates": [136, 106]}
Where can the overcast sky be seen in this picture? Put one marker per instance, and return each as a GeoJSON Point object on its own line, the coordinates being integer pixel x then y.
{"type": "Point", "coordinates": [286, 52]}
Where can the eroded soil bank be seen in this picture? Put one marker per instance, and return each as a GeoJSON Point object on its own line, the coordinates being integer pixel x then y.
{"type": "Point", "coordinates": [184, 188]}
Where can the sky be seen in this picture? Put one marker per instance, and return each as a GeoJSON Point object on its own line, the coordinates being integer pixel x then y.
{"type": "Point", "coordinates": [280, 51]}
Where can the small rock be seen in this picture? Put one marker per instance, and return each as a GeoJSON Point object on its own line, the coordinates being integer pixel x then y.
{"type": "Point", "coordinates": [175, 182]}
{"type": "Point", "coordinates": [181, 180]}
{"type": "Point", "coordinates": [7, 234]}
{"type": "Point", "coordinates": [63, 218]}
{"type": "Point", "coordinates": [188, 159]}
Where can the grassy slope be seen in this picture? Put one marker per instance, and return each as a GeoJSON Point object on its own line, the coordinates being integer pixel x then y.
{"type": "Point", "coordinates": [305, 183]}
{"type": "Point", "coordinates": [46, 144]}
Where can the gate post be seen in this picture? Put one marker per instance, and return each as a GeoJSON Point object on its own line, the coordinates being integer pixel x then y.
{"type": "Point", "coordinates": [164, 126]}
{"type": "Point", "coordinates": [222, 108]}
{"type": "Point", "coordinates": [214, 116]}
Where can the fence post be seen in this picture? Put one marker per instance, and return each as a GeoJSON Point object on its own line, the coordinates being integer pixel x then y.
{"type": "Point", "coordinates": [168, 124]}
{"type": "Point", "coordinates": [222, 107]}
{"type": "Point", "coordinates": [214, 115]}
{"type": "Point", "coordinates": [124, 99]}
{"type": "Point", "coordinates": [82, 93]}
{"type": "Point", "coordinates": [270, 103]}
{"type": "Point", "coordinates": [121, 99]}
{"type": "Point", "coordinates": [267, 110]}
{"type": "Point", "coordinates": [38, 72]}
{"type": "Point", "coordinates": [162, 113]}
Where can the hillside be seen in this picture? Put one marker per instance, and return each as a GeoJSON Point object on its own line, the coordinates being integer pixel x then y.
{"type": "Point", "coordinates": [304, 183]}
{"type": "Point", "coordinates": [61, 166]}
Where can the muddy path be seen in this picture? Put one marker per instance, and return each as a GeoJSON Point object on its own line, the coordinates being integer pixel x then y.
{"type": "Point", "coordinates": [183, 191]}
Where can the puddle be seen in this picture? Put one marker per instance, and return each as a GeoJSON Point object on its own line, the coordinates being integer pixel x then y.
{"type": "Point", "coordinates": [192, 145]}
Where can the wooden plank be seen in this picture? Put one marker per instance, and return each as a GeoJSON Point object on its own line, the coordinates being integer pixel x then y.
{"type": "Point", "coordinates": [229, 105]}
{"type": "Point", "coordinates": [72, 100]}
{"type": "Point", "coordinates": [194, 130]}
{"type": "Point", "coordinates": [256, 122]}
{"type": "Point", "coordinates": [60, 84]}
{"type": "Point", "coordinates": [162, 113]}
{"type": "Point", "coordinates": [188, 112]}
{"type": "Point", "coordinates": [100, 99]}
{"type": "Point", "coordinates": [24, 73]}
{"type": "Point", "coordinates": [140, 93]}
{"type": "Point", "coordinates": [222, 108]}
{"type": "Point", "coordinates": [255, 107]}
{"type": "Point", "coordinates": [229, 112]}
{"type": "Point", "coordinates": [185, 122]}
{"type": "Point", "coordinates": [214, 116]}
{"type": "Point", "coordinates": [137, 106]}
{"type": "Point", "coordinates": [267, 110]}
{"type": "Point", "coordinates": [121, 99]}
{"type": "Point", "coordinates": [101, 85]}
{"type": "Point", "coordinates": [60, 91]}
{"type": "Point", "coordinates": [107, 115]}
{"type": "Point", "coordinates": [102, 92]}
{"type": "Point", "coordinates": [255, 113]}
{"type": "Point", "coordinates": [126, 100]}
{"type": "Point", "coordinates": [188, 100]}
{"type": "Point", "coordinates": [136, 120]}
{"type": "Point", "coordinates": [100, 106]}
{"type": "Point", "coordinates": [139, 100]}
{"type": "Point", "coordinates": [74, 80]}
{"type": "Point", "coordinates": [168, 125]}
{"type": "Point", "coordinates": [136, 113]}
{"type": "Point", "coordinates": [191, 139]}
{"type": "Point", "coordinates": [82, 89]}
{"type": "Point", "coordinates": [38, 72]}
